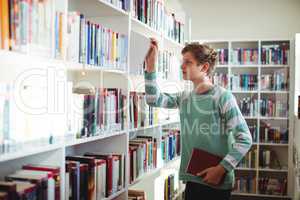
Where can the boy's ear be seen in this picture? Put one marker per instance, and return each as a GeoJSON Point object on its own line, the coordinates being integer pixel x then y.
{"type": "Point", "coordinates": [205, 67]}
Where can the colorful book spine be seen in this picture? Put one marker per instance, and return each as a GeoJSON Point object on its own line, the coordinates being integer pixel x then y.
{"type": "Point", "coordinates": [273, 108]}
{"type": "Point", "coordinates": [249, 161]}
{"type": "Point", "coordinates": [277, 81]}
{"type": "Point", "coordinates": [245, 184]}
{"type": "Point", "coordinates": [169, 187]}
{"type": "Point", "coordinates": [121, 4]}
{"type": "Point", "coordinates": [248, 107]}
{"type": "Point", "coordinates": [222, 56]}
{"type": "Point", "coordinates": [272, 185]}
{"type": "Point", "coordinates": [253, 130]}
{"type": "Point", "coordinates": [269, 134]}
{"type": "Point", "coordinates": [220, 79]}
{"type": "Point", "coordinates": [275, 54]}
{"type": "Point", "coordinates": [141, 114]}
{"type": "Point", "coordinates": [93, 44]}
{"type": "Point", "coordinates": [155, 14]}
{"type": "Point", "coordinates": [244, 56]}
{"type": "Point", "coordinates": [244, 82]}
{"type": "Point", "coordinates": [26, 26]}
{"type": "Point", "coordinates": [165, 62]}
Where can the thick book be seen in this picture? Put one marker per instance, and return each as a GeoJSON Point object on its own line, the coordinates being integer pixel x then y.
{"type": "Point", "coordinates": [73, 177]}
{"type": "Point", "coordinates": [201, 160]}
{"type": "Point", "coordinates": [10, 188]}
{"type": "Point", "coordinates": [91, 162]}
{"type": "Point", "coordinates": [53, 169]}
{"type": "Point", "coordinates": [43, 180]}
{"type": "Point", "coordinates": [3, 196]}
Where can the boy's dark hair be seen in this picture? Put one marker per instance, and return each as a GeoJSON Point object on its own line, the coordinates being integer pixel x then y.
{"type": "Point", "coordinates": [202, 53]}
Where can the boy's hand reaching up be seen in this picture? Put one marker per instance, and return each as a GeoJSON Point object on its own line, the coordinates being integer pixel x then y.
{"type": "Point", "coordinates": [151, 55]}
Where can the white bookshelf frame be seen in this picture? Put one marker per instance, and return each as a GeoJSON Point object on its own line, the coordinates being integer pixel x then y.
{"type": "Point", "coordinates": [115, 141]}
{"type": "Point", "coordinates": [289, 146]}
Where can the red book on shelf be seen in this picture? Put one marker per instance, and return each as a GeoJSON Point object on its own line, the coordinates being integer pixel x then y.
{"type": "Point", "coordinates": [201, 160]}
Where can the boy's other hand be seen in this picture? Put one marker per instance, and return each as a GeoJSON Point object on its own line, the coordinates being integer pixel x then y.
{"type": "Point", "coordinates": [212, 175]}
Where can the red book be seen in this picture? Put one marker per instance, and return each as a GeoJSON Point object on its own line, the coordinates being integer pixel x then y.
{"type": "Point", "coordinates": [109, 169]}
{"type": "Point", "coordinates": [201, 160]}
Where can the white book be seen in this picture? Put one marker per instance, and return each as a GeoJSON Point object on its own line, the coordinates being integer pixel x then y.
{"type": "Point", "coordinates": [115, 176]}
{"type": "Point", "coordinates": [101, 179]}
{"type": "Point", "coordinates": [67, 186]}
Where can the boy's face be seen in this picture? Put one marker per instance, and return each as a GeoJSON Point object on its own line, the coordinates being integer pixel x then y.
{"type": "Point", "coordinates": [191, 70]}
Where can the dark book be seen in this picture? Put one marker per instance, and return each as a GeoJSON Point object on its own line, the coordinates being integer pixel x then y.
{"type": "Point", "coordinates": [109, 169]}
{"type": "Point", "coordinates": [26, 190]}
{"type": "Point", "coordinates": [41, 179]}
{"type": "Point", "coordinates": [201, 160]}
{"type": "Point", "coordinates": [91, 162]}
{"type": "Point", "coordinates": [73, 184]}
{"type": "Point", "coordinates": [3, 196]}
{"type": "Point", "coordinates": [10, 188]}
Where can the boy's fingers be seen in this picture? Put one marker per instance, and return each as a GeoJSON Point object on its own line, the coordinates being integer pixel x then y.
{"type": "Point", "coordinates": [202, 173]}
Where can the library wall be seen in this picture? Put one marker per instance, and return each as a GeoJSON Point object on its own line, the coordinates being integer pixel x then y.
{"type": "Point", "coordinates": [256, 19]}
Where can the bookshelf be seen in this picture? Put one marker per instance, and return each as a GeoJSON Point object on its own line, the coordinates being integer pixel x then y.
{"type": "Point", "coordinates": [244, 58]}
{"type": "Point", "coordinates": [58, 64]}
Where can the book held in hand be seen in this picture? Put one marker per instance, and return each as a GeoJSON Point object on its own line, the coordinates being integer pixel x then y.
{"type": "Point", "coordinates": [201, 160]}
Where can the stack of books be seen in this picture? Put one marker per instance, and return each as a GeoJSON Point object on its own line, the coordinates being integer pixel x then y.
{"type": "Point", "coordinates": [275, 54]}
{"type": "Point", "coordinates": [244, 82]}
{"type": "Point", "coordinates": [244, 56]}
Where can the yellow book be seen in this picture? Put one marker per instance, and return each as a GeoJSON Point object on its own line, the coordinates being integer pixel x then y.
{"type": "Point", "coordinates": [61, 34]}
{"type": "Point", "coordinates": [4, 18]}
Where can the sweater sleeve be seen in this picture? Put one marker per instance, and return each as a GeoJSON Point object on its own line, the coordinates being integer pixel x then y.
{"type": "Point", "coordinates": [156, 98]}
{"type": "Point", "coordinates": [236, 128]}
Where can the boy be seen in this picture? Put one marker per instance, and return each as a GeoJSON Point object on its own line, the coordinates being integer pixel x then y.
{"type": "Point", "coordinates": [203, 111]}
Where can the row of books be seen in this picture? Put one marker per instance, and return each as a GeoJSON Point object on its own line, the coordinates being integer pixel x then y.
{"type": "Point", "coordinates": [95, 175]}
{"type": "Point", "coordinates": [143, 152]}
{"type": "Point", "coordinates": [220, 79]}
{"type": "Point", "coordinates": [266, 185]}
{"type": "Point", "coordinates": [272, 186]}
{"type": "Point", "coordinates": [245, 184]}
{"type": "Point", "coordinates": [169, 187]}
{"type": "Point", "coordinates": [249, 161]}
{"type": "Point", "coordinates": [253, 131]}
{"type": "Point", "coordinates": [121, 4]}
{"type": "Point", "coordinates": [275, 54]}
{"type": "Point", "coordinates": [248, 106]}
{"type": "Point", "coordinates": [32, 182]}
{"type": "Point", "coordinates": [273, 108]}
{"type": "Point", "coordinates": [165, 63]}
{"type": "Point", "coordinates": [276, 81]}
{"type": "Point", "coordinates": [136, 195]}
{"type": "Point", "coordinates": [140, 113]}
{"type": "Point", "coordinates": [101, 111]}
{"type": "Point", "coordinates": [222, 56]}
{"type": "Point", "coordinates": [170, 144]}
{"type": "Point", "coordinates": [155, 14]}
{"type": "Point", "coordinates": [269, 159]}
{"type": "Point", "coordinates": [243, 82]}
{"type": "Point", "coordinates": [244, 56]}
{"type": "Point", "coordinates": [91, 43]}
{"type": "Point", "coordinates": [26, 25]}
{"type": "Point", "coordinates": [270, 134]}
{"type": "Point", "coordinates": [147, 152]}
